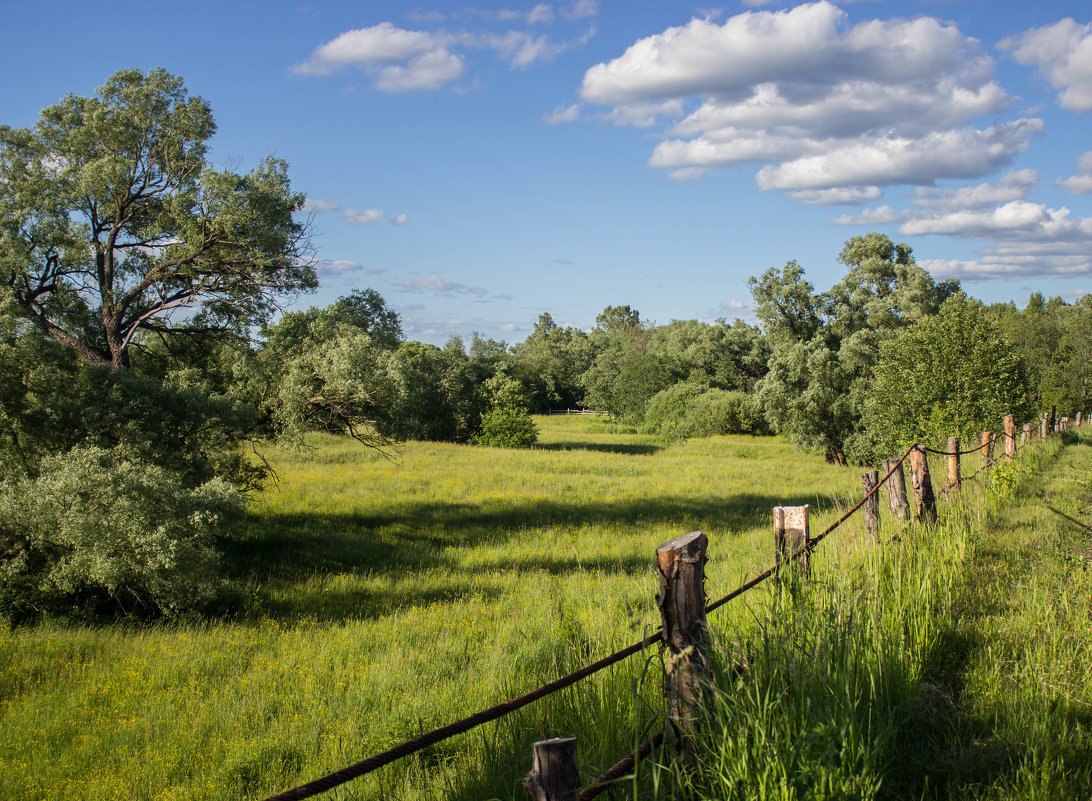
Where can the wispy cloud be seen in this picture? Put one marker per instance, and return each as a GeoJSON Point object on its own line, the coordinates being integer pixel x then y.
{"type": "Point", "coordinates": [563, 114]}
{"type": "Point", "coordinates": [356, 217]}
{"type": "Point", "coordinates": [436, 285]}
{"type": "Point", "coordinates": [316, 206]}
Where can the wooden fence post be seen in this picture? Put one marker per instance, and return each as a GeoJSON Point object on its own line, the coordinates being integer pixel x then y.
{"type": "Point", "coordinates": [1079, 416]}
{"type": "Point", "coordinates": [554, 773]}
{"type": "Point", "coordinates": [896, 489]}
{"type": "Point", "coordinates": [1009, 422]}
{"type": "Point", "coordinates": [954, 479]}
{"type": "Point", "coordinates": [872, 503]}
{"type": "Point", "coordinates": [681, 565]}
{"type": "Point", "coordinates": [1053, 420]}
{"type": "Point", "coordinates": [987, 448]}
{"type": "Point", "coordinates": [791, 533]}
{"type": "Point", "coordinates": [1025, 437]}
{"type": "Point", "coordinates": [925, 501]}
{"type": "Point", "coordinates": [1042, 427]}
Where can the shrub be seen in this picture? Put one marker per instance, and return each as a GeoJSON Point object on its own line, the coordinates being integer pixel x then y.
{"type": "Point", "coordinates": [96, 529]}
{"type": "Point", "coordinates": [507, 428]}
{"type": "Point", "coordinates": [694, 410]}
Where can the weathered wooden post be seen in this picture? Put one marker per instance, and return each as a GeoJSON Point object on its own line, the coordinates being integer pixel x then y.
{"type": "Point", "coordinates": [1009, 423]}
{"type": "Point", "coordinates": [1065, 422]}
{"type": "Point", "coordinates": [1079, 416]}
{"type": "Point", "coordinates": [925, 502]}
{"type": "Point", "coordinates": [1025, 437]}
{"type": "Point", "coordinates": [791, 533]}
{"type": "Point", "coordinates": [1043, 427]}
{"type": "Point", "coordinates": [954, 479]}
{"type": "Point", "coordinates": [554, 773]}
{"type": "Point", "coordinates": [871, 480]}
{"type": "Point", "coordinates": [681, 565]}
{"type": "Point", "coordinates": [896, 489]}
{"type": "Point", "coordinates": [987, 448]}
{"type": "Point", "coordinates": [1053, 420]}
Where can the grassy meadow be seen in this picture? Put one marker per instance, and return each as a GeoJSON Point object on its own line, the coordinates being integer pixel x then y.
{"type": "Point", "coordinates": [375, 597]}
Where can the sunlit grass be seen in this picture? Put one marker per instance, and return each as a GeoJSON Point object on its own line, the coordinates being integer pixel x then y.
{"type": "Point", "coordinates": [375, 597]}
{"type": "Point", "coordinates": [378, 597]}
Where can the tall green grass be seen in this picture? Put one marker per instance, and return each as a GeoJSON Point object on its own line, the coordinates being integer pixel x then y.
{"type": "Point", "coordinates": [376, 598]}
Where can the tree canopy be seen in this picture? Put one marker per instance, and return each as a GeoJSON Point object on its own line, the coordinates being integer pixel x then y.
{"type": "Point", "coordinates": [112, 222]}
{"type": "Point", "coordinates": [826, 345]}
{"type": "Point", "coordinates": [952, 374]}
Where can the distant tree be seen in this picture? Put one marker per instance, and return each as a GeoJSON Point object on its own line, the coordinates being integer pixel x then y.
{"type": "Point", "coordinates": [550, 363]}
{"type": "Point", "coordinates": [953, 374]}
{"type": "Point", "coordinates": [112, 221]}
{"type": "Point", "coordinates": [825, 345]}
{"type": "Point", "coordinates": [1054, 340]}
{"type": "Point", "coordinates": [722, 355]}
{"type": "Point", "coordinates": [626, 373]}
{"type": "Point", "coordinates": [433, 396]}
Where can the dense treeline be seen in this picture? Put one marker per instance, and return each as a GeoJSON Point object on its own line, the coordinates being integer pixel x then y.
{"type": "Point", "coordinates": [130, 434]}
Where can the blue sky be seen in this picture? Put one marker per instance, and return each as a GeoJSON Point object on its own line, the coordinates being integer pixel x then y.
{"type": "Point", "coordinates": [479, 165]}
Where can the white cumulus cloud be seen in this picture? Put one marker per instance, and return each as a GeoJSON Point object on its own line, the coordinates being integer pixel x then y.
{"type": "Point", "coordinates": [400, 59]}
{"type": "Point", "coordinates": [1063, 52]}
{"type": "Point", "coordinates": [824, 105]}
{"type": "Point", "coordinates": [1015, 185]}
{"type": "Point", "coordinates": [1081, 182]}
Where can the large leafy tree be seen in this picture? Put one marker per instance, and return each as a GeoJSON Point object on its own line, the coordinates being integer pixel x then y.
{"type": "Point", "coordinates": [951, 374]}
{"type": "Point", "coordinates": [112, 221]}
{"type": "Point", "coordinates": [826, 345]}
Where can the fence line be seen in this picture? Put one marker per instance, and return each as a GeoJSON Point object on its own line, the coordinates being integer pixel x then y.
{"type": "Point", "coordinates": [624, 766]}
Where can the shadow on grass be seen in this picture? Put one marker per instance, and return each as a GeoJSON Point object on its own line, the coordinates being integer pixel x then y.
{"type": "Point", "coordinates": [629, 449]}
{"type": "Point", "coordinates": [287, 554]}
{"type": "Point", "coordinates": [328, 605]}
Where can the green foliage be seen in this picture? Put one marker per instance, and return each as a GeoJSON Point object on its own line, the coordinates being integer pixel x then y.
{"type": "Point", "coordinates": [1054, 340]}
{"type": "Point", "coordinates": [51, 402]}
{"type": "Point", "coordinates": [432, 393]}
{"type": "Point", "coordinates": [949, 375]}
{"type": "Point", "coordinates": [550, 363]}
{"type": "Point", "coordinates": [111, 218]}
{"type": "Point", "coordinates": [696, 410]}
{"type": "Point", "coordinates": [506, 423]}
{"type": "Point", "coordinates": [724, 356]}
{"type": "Point", "coordinates": [507, 428]}
{"type": "Point", "coordinates": [96, 528]}
{"type": "Point", "coordinates": [826, 345]}
{"type": "Point", "coordinates": [626, 371]}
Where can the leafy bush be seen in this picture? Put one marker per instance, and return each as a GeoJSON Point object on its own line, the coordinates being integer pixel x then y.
{"type": "Point", "coordinates": [694, 410]}
{"type": "Point", "coordinates": [507, 428]}
{"type": "Point", "coordinates": [97, 529]}
{"type": "Point", "coordinates": [506, 424]}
